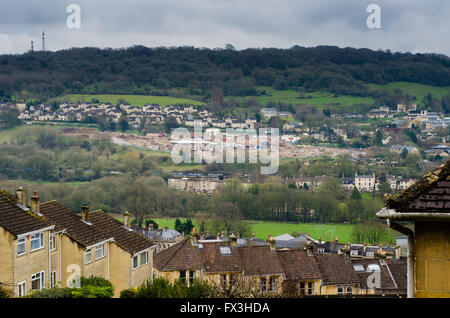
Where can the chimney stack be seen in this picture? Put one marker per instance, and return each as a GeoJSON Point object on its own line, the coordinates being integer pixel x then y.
{"type": "Point", "coordinates": [35, 205]}
{"type": "Point", "coordinates": [398, 251]}
{"type": "Point", "coordinates": [85, 212]}
{"type": "Point", "coordinates": [253, 236]}
{"type": "Point", "coordinates": [126, 219]}
{"type": "Point", "coordinates": [194, 236]}
{"type": "Point", "coordinates": [21, 195]}
{"type": "Point", "coordinates": [150, 226]}
{"type": "Point", "coordinates": [233, 240]}
{"type": "Point", "coordinates": [271, 242]}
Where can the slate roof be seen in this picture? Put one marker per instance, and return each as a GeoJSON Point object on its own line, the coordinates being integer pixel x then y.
{"type": "Point", "coordinates": [129, 240]}
{"type": "Point", "coordinates": [180, 256]}
{"type": "Point", "coordinates": [76, 228]}
{"type": "Point", "coordinates": [399, 270]}
{"type": "Point", "coordinates": [429, 194]}
{"type": "Point", "coordinates": [16, 220]}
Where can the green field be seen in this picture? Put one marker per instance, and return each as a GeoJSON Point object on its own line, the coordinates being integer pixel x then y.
{"type": "Point", "coordinates": [262, 229]}
{"type": "Point", "coordinates": [415, 89]}
{"type": "Point", "coordinates": [136, 100]}
{"type": "Point", "coordinates": [314, 98]}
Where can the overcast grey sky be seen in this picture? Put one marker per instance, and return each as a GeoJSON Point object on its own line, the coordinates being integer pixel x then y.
{"type": "Point", "coordinates": [407, 25]}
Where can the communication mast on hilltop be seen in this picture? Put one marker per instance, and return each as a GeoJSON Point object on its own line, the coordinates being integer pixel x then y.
{"type": "Point", "coordinates": [43, 40]}
{"type": "Point", "coordinates": [32, 48]}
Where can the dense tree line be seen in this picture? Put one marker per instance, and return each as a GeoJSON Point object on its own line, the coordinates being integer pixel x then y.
{"type": "Point", "coordinates": [143, 70]}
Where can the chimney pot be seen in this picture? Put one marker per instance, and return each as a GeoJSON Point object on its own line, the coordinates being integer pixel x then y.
{"type": "Point", "coordinates": [35, 202]}
{"type": "Point", "coordinates": [85, 212]}
{"type": "Point", "coordinates": [126, 219]}
{"type": "Point", "coordinates": [21, 195]}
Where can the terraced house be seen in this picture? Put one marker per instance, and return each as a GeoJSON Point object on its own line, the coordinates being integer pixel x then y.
{"type": "Point", "coordinates": [25, 252]}
{"type": "Point", "coordinates": [293, 272]}
{"type": "Point", "coordinates": [71, 246]}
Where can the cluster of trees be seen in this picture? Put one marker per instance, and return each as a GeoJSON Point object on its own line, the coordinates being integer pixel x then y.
{"type": "Point", "coordinates": [143, 70]}
{"type": "Point", "coordinates": [38, 153]}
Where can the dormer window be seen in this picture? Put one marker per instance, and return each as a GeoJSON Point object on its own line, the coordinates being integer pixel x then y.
{"type": "Point", "coordinates": [353, 252]}
{"type": "Point", "coordinates": [370, 254]}
{"type": "Point", "coordinates": [225, 250]}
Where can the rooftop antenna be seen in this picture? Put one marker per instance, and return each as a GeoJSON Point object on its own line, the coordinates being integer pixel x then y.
{"type": "Point", "coordinates": [43, 40]}
{"type": "Point", "coordinates": [32, 48]}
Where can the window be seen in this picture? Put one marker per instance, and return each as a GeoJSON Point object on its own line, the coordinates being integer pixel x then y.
{"type": "Point", "coordinates": [53, 279]}
{"type": "Point", "coordinates": [321, 250]}
{"type": "Point", "coordinates": [263, 285]}
{"type": "Point", "coordinates": [349, 290]}
{"type": "Point", "coordinates": [354, 252]}
{"type": "Point", "coordinates": [135, 262]}
{"type": "Point", "coordinates": [225, 250]}
{"type": "Point", "coordinates": [144, 258]}
{"type": "Point", "coordinates": [373, 268]}
{"type": "Point", "coordinates": [340, 290]}
{"type": "Point", "coordinates": [183, 276]}
{"type": "Point", "coordinates": [37, 281]}
{"type": "Point", "coordinates": [232, 278]}
{"type": "Point", "coordinates": [21, 248]}
{"type": "Point", "coordinates": [88, 256]}
{"type": "Point", "coordinates": [302, 288]}
{"type": "Point", "coordinates": [358, 268]}
{"type": "Point", "coordinates": [273, 284]}
{"type": "Point", "coordinates": [52, 242]}
{"type": "Point", "coordinates": [223, 279]}
{"type": "Point", "coordinates": [37, 241]}
{"type": "Point", "coordinates": [22, 288]}
{"type": "Point", "coordinates": [370, 254]}
{"type": "Point", "coordinates": [310, 288]}
{"type": "Point", "coordinates": [99, 251]}
{"type": "Point", "coordinates": [191, 277]}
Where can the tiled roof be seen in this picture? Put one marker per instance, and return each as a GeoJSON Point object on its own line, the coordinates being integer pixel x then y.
{"type": "Point", "coordinates": [297, 265]}
{"type": "Point", "coordinates": [398, 268]}
{"type": "Point", "coordinates": [386, 280]}
{"type": "Point", "coordinates": [259, 260]}
{"type": "Point", "coordinates": [125, 238]}
{"type": "Point", "coordinates": [335, 269]}
{"type": "Point", "coordinates": [214, 261]}
{"type": "Point", "coordinates": [179, 256]}
{"type": "Point", "coordinates": [76, 228]}
{"type": "Point", "coordinates": [429, 194]}
{"type": "Point", "coordinates": [252, 260]}
{"type": "Point", "coordinates": [15, 219]}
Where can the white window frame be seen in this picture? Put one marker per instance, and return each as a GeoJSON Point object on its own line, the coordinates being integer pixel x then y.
{"type": "Point", "coordinates": [53, 282]}
{"type": "Point", "coordinates": [135, 261]}
{"type": "Point", "coordinates": [370, 254]}
{"type": "Point", "coordinates": [100, 247]}
{"type": "Point", "coordinates": [52, 243]}
{"type": "Point", "coordinates": [89, 252]}
{"type": "Point", "coordinates": [337, 290]}
{"type": "Point", "coordinates": [24, 243]}
{"type": "Point", "coordinates": [347, 290]}
{"type": "Point", "coordinates": [354, 253]}
{"type": "Point", "coordinates": [40, 239]}
{"type": "Point", "coordinates": [22, 288]}
{"type": "Point", "coordinates": [192, 275]}
{"type": "Point", "coordinates": [263, 285]}
{"type": "Point", "coordinates": [273, 284]}
{"type": "Point", "coordinates": [41, 279]}
{"type": "Point", "coordinates": [146, 258]}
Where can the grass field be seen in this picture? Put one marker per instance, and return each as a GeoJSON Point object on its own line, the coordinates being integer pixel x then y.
{"type": "Point", "coordinates": [415, 89]}
{"type": "Point", "coordinates": [262, 229]}
{"type": "Point", "coordinates": [315, 98]}
{"type": "Point", "coordinates": [136, 100]}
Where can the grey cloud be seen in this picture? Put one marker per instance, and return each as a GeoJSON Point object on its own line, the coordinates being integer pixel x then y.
{"type": "Point", "coordinates": [407, 25]}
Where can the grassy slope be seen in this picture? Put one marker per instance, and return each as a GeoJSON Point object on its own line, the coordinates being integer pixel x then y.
{"type": "Point", "coordinates": [137, 100]}
{"type": "Point", "coordinates": [317, 98]}
{"type": "Point", "coordinates": [414, 89]}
